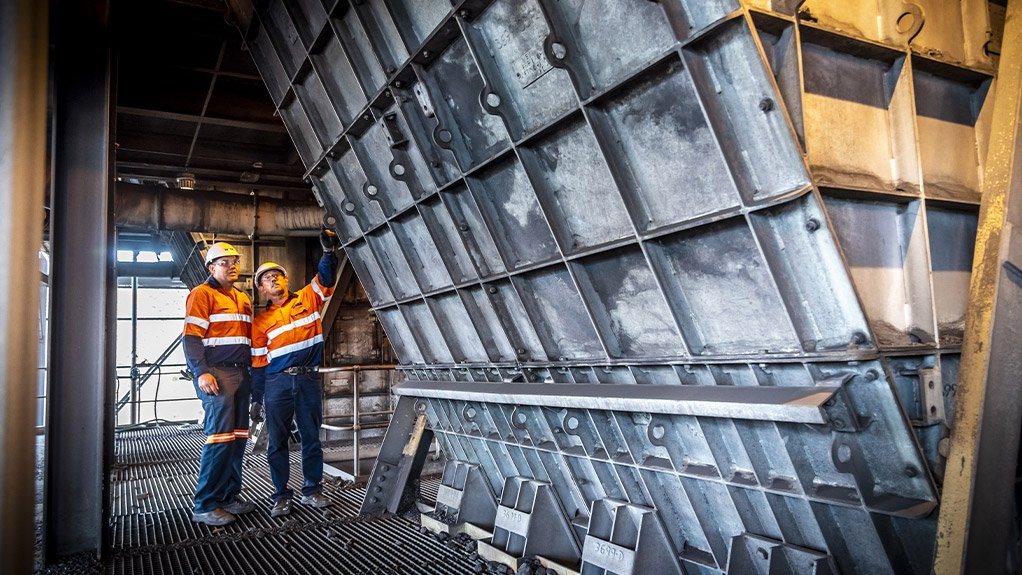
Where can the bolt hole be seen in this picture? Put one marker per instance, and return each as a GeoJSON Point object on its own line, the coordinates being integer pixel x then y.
{"type": "Point", "coordinates": [762, 553]}
{"type": "Point", "coordinates": [933, 410]}
{"type": "Point", "coordinates": [905, 23]}
{"type": "Point", "coordinates": [929, 384]}
{"type": "Point", "coordinates": [658, 431]}
{"type": "Point", "coordinates": [559, 50]}
{"type": "Point", "coordinates": [844, 453]}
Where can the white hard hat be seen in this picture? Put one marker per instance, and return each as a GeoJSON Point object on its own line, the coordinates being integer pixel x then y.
{"type": "Point", "coordinates": [267, 267]}
{"type": "Point", "coordinates": [219, 250]}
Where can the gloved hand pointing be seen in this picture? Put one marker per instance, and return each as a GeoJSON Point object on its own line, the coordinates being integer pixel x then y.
{"type": "Point", "coordinates": [329, 240]}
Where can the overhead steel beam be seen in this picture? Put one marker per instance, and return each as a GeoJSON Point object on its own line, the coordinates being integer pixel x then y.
{"type": "Point", "coordinates": [226, 122]}
{"type": "Point", "coordinates": [223, 179]}
{"type": "Point", "coordinates": [223, 151]}
{"type": "Point", "coordinates": [80, 431]}
{"type": "Point", "coordinates": [23, 86]}
{"type": "Point", "coordinates": [277, 172]}
{"type": "Point", "coordinates": [979, 484]}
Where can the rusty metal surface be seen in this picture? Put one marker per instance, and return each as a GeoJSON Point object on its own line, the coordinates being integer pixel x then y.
{"type": "Point", "coordinates": [979, 484]}
{"type": "Point", "coordinates": [23, 88]}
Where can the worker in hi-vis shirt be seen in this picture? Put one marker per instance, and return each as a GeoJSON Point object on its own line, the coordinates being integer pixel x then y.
{"type": "Point", "coordinates": [217, 343]}
{"type": "Point", "coordinates": [287, 348]}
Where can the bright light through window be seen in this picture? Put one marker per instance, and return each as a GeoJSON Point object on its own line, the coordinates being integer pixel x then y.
{"type": "Point", "coordinates": [147, 257]}
{"type": "Point", "coordinates": [125, 256]}
{"type": "Point", "coordinates": [166, 257]}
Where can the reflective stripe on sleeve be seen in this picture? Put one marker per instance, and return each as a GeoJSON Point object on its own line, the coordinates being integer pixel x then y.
{"type": "Point", "coordinates": [197, 321]}
{"type": "Point", "coordinates": [257, 351]}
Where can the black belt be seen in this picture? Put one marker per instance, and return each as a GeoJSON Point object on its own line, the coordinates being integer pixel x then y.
{"type": "Point", "coordinates": [230, 364]}
{"type": "Point", "coordinates": [301, 370]}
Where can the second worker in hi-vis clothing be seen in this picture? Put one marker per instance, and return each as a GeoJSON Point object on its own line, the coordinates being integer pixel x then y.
{"type": "Point", "coordinates": [287, 348]}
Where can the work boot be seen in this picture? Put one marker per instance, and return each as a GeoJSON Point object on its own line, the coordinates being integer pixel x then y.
{"type": "Point", "coordinates": [317, 500]}
{"type": "Point", "coordinates": [215, 518]}
{"type": "Point", "coordinates": [281, 507]}
{"type": "Point", "coordinates": [238, 507]}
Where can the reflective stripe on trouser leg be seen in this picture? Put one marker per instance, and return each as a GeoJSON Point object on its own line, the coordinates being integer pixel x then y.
{"type": "Point", "coordinates": [280, 409]}
{"type": "Point", "coordinates": [241, 399]}
{"type": "Point", "coordinates": [309, 417]}
{"type": "Point", "coordinates": [219, 452]}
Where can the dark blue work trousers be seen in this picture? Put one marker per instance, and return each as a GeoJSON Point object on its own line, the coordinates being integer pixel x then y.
{"type": "Point", "coordinates": [226, 428]}
{"type": "Point", "coordinates": [298, 398]}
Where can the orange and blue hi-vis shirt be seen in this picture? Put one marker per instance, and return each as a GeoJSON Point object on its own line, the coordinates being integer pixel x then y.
{"type": "Point", "coordinates": [218, 327]}
{"type": "Point", "coordinates": [291, 334]}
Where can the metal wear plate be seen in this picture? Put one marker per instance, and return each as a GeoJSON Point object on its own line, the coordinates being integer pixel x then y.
{"type": "Point", "coordinates": [688, 255]}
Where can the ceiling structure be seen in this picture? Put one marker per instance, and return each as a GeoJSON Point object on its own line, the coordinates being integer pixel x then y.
{"type": "Point", "coordinates": [190, 100]}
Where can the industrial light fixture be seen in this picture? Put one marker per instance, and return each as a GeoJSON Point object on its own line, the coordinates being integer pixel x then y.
{"type": "Point", "coordinates": [186, 181]}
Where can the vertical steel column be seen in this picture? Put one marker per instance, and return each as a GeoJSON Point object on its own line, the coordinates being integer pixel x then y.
{"type": "Point", "coordinates": [977, 506]}
{"type": "Point", "coordinates": [79, 442]}
{"type": "Point", "coordinates": [133, 398]}
{"type": "Point", "coordinates": [23, 86]}
{"type": "Point", "coordinates": [356, 425]}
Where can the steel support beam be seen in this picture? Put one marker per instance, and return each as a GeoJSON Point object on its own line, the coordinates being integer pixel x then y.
{"type": "Point", "coordinates": [133, 393]}
{"type": "Point", "coordinates": [23, 86]}
{"type": "Point", "coordinates": [766, 403]}
{"type": "Point", "coordinates": [345, 274]}
{"type": "Point", "coordinates": [226, 122]}
{"type": "Point", "coordinates": [79, 441]}
{"type": "Point", "coordinates": [394, 484]}
{"type": "Point", "coordinates": [979, 485]}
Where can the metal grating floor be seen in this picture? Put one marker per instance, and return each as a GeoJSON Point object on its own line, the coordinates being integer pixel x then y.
{"type": "Point", "coordinates": [152, 531]}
